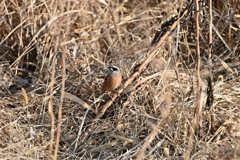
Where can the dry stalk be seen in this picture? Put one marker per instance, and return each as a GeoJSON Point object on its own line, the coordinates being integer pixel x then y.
{"type": "Point", "coordinates": [50, 106]}
{"type": "Point", "coordinates": [198, 111]}
{"type": "Point", "coordinates": [60, 106]}
{"type": "Point", "coordinates": [65, 36]}
{"type": "Point", "coordinates": [210, 98]}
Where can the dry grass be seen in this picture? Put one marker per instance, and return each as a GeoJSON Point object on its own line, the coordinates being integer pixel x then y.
{"type": "Point", "coordinates": [153, 116]}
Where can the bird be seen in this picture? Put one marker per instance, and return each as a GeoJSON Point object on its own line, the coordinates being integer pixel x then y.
{"type": "Point", "coordinates": [112, 80]}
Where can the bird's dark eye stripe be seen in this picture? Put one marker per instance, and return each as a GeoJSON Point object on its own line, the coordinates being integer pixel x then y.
{"type": "Point", "coordinates": [113, 68]}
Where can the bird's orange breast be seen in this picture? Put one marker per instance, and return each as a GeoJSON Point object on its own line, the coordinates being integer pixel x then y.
{"type": "Point", "coordinates": [111, 82]}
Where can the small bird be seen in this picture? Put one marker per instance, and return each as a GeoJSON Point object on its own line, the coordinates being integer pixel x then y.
{"type": "Point", "coordinates": [112, 80]}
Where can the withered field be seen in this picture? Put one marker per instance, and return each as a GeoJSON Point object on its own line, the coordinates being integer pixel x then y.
{"type": "Point", "coordinates": [180, 91]}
